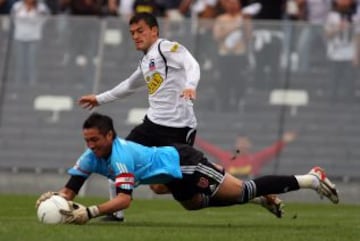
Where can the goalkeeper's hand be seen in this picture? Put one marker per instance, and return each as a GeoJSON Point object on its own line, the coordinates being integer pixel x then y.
{"type": "Point", "coordinates": [79, 214]}
{"type": "Point", "coordinates": [44, 197]}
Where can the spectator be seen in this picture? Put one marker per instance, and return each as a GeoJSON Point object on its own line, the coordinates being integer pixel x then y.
{"type": "Point", "coordinates": [29, 17]}
{"type": "Point", "coordinates": [311, 42]}
{"type": "Point", "coordinates": [5, 6]}
{"type": "Point", "coordinates": [357, 40]}
{"type": "Point", "coordinates": [82, 35]}
{"type": "Point", "coordinates": [91, 7]}
{"type": "Point", "coordinates": [271, 10]}
{"type": "Point", "coordinates": [126, 9]}
{"type": "Point", "coordinates": [202, 13]}
{"type": "Point", "coordinates": [172, 10]}
{"type": "Point", "coordinates": [242, 161]}
{"type": "Point", "coordinates": [199, 8]}
{"type": "Point", "coordinates": [155, 7]}
{"type": "Point", "coordinates": [341, 48]}
{"type": "Point", "coordinates": [232, 34]}
{"type": "Point", "coordinates": [268, 43]}
{"type": "Point", "coordinates": [55, 6]}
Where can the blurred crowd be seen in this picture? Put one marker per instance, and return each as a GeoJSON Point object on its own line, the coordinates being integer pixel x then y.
{"type": "Point", "coordinates": [314, 11]}
{"type": "Point", "coordinates": [328, 27]}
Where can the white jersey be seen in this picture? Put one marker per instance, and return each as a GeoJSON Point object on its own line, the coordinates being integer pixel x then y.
{"type": "Point", "coordinates": [167, 68]}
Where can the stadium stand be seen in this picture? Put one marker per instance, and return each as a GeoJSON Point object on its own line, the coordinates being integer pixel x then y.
{"type": "Point", "coordinates": [327, 132]}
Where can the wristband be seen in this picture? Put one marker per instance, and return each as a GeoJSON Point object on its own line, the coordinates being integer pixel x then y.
{"type": "Point", "coordinates": [92, 211]}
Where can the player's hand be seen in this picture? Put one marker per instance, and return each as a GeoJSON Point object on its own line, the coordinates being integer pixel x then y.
{"type": "Point", "coordinates": [188, 94]}
{"type": "Point", "coordinates": [79, 214]}
{"type": "Point", "coordinates": [289, 136]}
{"type": "Point", "coordinates": [88, 102]}
{"type": "Point", "coordinates": [44, 197]}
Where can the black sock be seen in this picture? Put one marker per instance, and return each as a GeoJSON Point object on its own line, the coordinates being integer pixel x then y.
{"type": "Point", "coordinates": [275, 184]}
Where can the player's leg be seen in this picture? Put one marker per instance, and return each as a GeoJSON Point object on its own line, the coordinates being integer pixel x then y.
{"type": "Point", "coordinates": [190, 198]}
{"type": "Point", "coordinates": [232, 191]}
{"type": "Point", "coordinates": [202, 180]}
{"type": "Point", "coordinates": [316, 179]}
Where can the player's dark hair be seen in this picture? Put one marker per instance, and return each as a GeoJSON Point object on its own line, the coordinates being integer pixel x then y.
{"type": "Point", "coordinates": [102, 122]}
{"type": "Point", "coordinates": [148, 18]}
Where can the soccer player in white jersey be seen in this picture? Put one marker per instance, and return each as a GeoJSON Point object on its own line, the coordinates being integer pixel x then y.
{"type": "Point", "coordinates": [171, 75]}
{"type": "Point", "coordinates": [193, 181]}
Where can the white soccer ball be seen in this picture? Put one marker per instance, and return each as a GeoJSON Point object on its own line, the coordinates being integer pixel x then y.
{"type": "Point", "coordinates": [49, 210]}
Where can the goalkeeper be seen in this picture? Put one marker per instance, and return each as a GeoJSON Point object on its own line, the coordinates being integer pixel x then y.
{"type": "Point", "coordinates": [193, 181]}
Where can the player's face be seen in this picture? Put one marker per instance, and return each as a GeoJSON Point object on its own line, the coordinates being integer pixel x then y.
{"type": "Point", "coordinates": [99, 143]}
{"type": "Point", "coordinates": [143, 36]}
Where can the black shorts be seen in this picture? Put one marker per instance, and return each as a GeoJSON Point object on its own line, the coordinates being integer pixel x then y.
{"type": "Point", "coordinates": [151, 134]}
{"type": "Point", "coordinates": [199, 175]}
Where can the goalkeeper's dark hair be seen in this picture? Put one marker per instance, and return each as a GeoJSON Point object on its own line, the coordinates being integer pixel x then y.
{"type": "Point", "coordinates": [148, 18]}
{"type": "Point", "coordinates": [102, 122]}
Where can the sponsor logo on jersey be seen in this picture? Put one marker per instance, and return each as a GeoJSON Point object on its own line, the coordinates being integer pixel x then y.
{"type": "Point", "coordinates": [203, 182]}
{"type": "Point", "coordinates": [152, 66]}
{"type": "Point", "coordinates": [154, 82]}
{"type": "Point", "coordinates": [174, 48]}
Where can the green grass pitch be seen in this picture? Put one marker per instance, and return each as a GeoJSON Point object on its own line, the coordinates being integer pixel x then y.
{"type": "Point", "coordinates": [159, 220]}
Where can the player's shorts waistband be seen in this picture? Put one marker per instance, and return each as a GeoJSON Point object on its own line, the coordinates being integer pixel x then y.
{"type": "Point", "coordinates": [149, 123]}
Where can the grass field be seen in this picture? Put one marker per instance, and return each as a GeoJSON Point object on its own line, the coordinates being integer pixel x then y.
{"type": "Point", "coordinates": [159, 220]}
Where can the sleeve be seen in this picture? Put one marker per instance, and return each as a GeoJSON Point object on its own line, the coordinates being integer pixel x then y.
{"type": "Point", "coordinates": [125, 88]}
{"type": "Point", "coordinates": [75, 183]}
{"type": "Point", "coordinates": [178, 56]}
{"type": "Point", "coordinates": [83, 167]}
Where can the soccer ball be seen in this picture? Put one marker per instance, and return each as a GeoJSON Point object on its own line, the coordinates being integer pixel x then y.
{"type": "Point", "coordinates": [49, 210]}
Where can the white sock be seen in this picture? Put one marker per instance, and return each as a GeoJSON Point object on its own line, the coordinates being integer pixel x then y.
{"type": "Point", "coordinates": [257, 200]}
{"type": "Point", "coordinates": [112, 194]}
{"type": "Point", "coordinates": [307, 181]}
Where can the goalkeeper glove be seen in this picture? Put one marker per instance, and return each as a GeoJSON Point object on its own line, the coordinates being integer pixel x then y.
{"type": "Point", "coordinates": [44, 197]}
{"type": "Point", "coordinates": [79, 214]}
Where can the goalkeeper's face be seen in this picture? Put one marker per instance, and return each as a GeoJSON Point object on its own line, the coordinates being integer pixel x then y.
{"type": "Point", "coordinates": [98, 142]}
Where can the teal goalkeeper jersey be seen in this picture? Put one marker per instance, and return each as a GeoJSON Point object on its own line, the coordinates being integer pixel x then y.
{"type": "Point", "coordinates": [131, 164]}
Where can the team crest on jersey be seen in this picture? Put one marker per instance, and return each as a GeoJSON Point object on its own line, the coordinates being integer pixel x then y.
{"type": "Point", "coordinates": [203, 182]}
{"type": "Point", "coordinates": [154, 82]}
{"type": "Point", "coordinates": [152, 66]}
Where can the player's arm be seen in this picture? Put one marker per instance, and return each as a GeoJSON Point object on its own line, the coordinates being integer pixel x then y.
{"type": "Point", "coordinates": [179, 57]}
{"type": "Point", "coordinates": [81, 214]}
{"type": "Point", "coordinates": [69, 191]}
{"type": "Point", "coordinates": [125, 88]}
{"type": "Point", "coordinates": [72, 187]}
{"type": "Point", "coordinates": [120, 202]}
{"type": "Point", "coordinates": [124, 183]}
{"type": "Point", "coordinates": [192, 72]}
